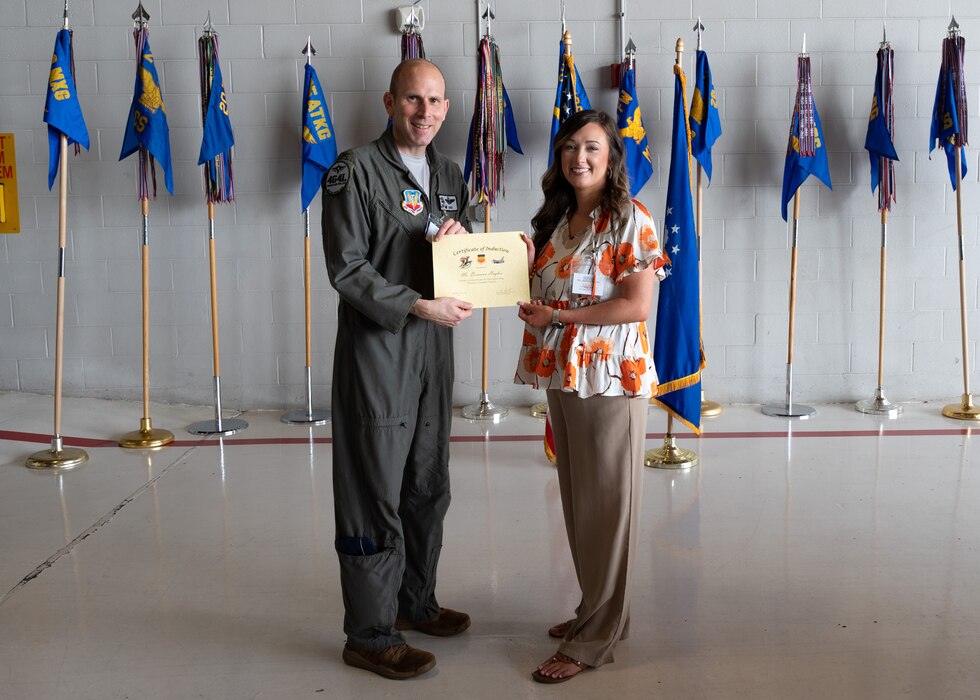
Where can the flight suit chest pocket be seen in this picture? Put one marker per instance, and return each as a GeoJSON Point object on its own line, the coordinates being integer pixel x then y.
{"type": "Point", "coordinates": [414, 224]}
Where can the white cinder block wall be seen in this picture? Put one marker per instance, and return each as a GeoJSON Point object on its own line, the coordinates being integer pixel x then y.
{"type": "Point", "coordinates": [752, 45]}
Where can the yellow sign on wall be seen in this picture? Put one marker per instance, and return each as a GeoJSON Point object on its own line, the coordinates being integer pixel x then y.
{"type": "Point", "coordinates": [9, 210]}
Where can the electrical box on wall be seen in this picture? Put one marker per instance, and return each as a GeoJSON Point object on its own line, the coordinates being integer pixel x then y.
{"type": "Point", "coordinates": [9, 209]}
{"type": "Point", "coordinates": [410, 16]}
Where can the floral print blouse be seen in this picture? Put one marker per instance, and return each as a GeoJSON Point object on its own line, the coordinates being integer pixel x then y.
{"type": "Point", "coordinates": [573, 272]}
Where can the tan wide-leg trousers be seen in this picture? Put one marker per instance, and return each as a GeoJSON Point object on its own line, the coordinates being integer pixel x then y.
{"type": "Point", "coordinates": [599, 445]}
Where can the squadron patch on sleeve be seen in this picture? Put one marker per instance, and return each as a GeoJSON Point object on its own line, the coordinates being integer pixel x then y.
{"type": "Point", "coordinates": [336, 179]}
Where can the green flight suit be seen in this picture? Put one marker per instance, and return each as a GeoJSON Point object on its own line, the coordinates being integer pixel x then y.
{"type": "Point", "coordinates": [392, 386]}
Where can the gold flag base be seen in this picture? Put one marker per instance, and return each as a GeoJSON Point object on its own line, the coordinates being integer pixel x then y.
{"type": "Point", "coordinates": [58, 457]}
{"type": "Point", "coordinates": [710, 409]}
{"type": "Point", "coordinates": [670, 456]}
{"type": "Point", "coordinates": [963, 411]}
{"type": "Point", "coordinates": [147, 437]}
{"type": "Point", "coordinates": [539, 410]}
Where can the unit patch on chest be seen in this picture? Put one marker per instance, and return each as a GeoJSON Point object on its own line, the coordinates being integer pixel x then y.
{"type": "Point", "coordinates": [412, 202]}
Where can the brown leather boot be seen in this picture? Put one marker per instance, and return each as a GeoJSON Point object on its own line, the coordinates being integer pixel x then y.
{"type": "Point", "coordinates": [445, 623]}
{"type": "Point", "coordinates": [397, 662]}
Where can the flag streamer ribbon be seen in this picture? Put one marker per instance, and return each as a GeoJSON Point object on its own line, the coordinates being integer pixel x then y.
{"type": "Point", "coordinates": [949, 114]}
{"type": "Point", "coordinates": [804, 107]}
{"type": "Point", "coordinates": [146, 159]}
{"type": "Point", "coordinates": [881, 130]}
{"type": "Point", "coordinates": [218, 138]}
{"type": "Point", "coordinates": [412, 46]}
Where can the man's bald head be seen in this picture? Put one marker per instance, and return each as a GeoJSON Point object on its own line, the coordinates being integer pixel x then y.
{"type": "Point", "coordinates": [405, 68]}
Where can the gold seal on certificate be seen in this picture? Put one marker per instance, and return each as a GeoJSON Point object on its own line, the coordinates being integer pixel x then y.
{"type": "Point", "coordinates": [485, 269]}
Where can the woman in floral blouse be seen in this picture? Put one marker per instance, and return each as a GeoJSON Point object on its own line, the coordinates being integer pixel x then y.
{"type": "Point", "coordinates": [593, 265]}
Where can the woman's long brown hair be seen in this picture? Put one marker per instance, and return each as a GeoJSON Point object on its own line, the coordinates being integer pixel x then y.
{"type": "Point", "coordinates": [559, 197]}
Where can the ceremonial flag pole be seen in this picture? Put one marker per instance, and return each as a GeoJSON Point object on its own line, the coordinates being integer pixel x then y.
{"type": "Point", "coordinates": [66, 126]}
{"type": "Point", "coordinates": [678, 353]}
{"type": "Point", "coordinates": [705, 130]}
{"type": "Point", "coordinates": [147, 132]}
{"type": "Point", "coordinates": [949, 129]}
{"type": "Point", "coordinates": [570, 97]}
{"type": "Point", "coordinates": [318, 154]}
{"type": "Point", "coordinates": [492, 130]}
{"type": "Point", "coordinates": [881, 149]}
{"type": "Point", "coordinates": [806, 155]}
{"type": "Point", "coordinates": [219, 188]}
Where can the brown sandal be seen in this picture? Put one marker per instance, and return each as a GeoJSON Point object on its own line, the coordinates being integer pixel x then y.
{"type": "Point", "coordinates": [562, 659]}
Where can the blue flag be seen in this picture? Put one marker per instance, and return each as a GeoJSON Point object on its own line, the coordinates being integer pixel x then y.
{"type": "Point", "coordinates": [639, 166]}
{"type": "Point", "coordinates": [704, 120]}
{"type": "Point", "coordinates": [878, 141]}
{"type": "Point", "coordinates": [319, 142]}
{"type": "Point", "coordinates": [799, 167]}
{"type": "Point", "coordinates": [62, 112]}
{"type": "Point", "coordinates": [677, 351]}
{"type": "Point", "coordinates": [218, 136]}
{"type": "Point", "coordinates": [147, 124]}
{"type": "Point", "coordinates": [946, 126]}
{"type": "Point", "coordinates": [570, 96]}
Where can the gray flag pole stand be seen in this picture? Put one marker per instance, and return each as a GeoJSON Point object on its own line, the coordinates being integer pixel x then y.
{"type": "Point", "coordinates": [879, 405]}
{"type": "Point", "coordinates": [218, 426]}
{"type": "Point", "coordinates": [60, 457]}
{"type": "Point", "coordinates": [789, 409]}
{"type": "Point", "coordinates": [966, 409]}
{"type": "Point", "coordinates": [307, 416]}
{"type": "Point", "coordinates": [485, 410]}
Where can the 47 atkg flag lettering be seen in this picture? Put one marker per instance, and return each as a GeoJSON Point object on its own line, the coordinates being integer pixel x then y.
{"type": "Point", "coordinates": [147, 124]}
{"type": "Point", "coordinates": [319, 143]}
{"type": "Point", "coordinates": [62, 112]}
{"type": "Point", "coordinates": [629, 121]}
{"type": "Point", "coordinates": [677, 351]}
{"type": "Point", "coordinates": [218, 140]}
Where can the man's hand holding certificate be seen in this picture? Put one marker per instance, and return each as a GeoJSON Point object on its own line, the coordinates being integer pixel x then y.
{"type": "Point", "coordinates": [484, 269]}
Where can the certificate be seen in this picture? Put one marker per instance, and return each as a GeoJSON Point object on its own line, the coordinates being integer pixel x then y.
{"type": "Point", "coordinates": [485, 269]}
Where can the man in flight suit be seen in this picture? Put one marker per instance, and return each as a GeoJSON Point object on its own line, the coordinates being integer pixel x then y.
{"type": "Point", "coordinates": [393, 374]}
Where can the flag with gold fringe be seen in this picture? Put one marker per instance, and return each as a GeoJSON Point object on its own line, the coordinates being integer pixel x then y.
{"type": "Point", "coordinates": [677, 351]}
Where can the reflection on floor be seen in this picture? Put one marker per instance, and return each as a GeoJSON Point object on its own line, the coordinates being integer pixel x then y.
{"type": "Point", "coordinates": [837, 557]}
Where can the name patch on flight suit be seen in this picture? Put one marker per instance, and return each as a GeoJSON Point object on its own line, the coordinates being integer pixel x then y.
{"type": "Point", "coordinates": [412, 202]}
{"type": "Point", "coordinates": [447, 202]}
{"type": "Point", "coordinates": [336, 179]}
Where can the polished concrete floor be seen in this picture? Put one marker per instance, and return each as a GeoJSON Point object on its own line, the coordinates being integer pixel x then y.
{"type": "Point", "coordinates": [837, 557]}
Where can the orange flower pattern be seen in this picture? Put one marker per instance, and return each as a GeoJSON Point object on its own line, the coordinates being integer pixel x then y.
{"type": "Point", "coordinates": [546, 255]}
{"type": "Point", "coordinates": [632, 377]}
{"type": "Point", "coordinates": [588, 359]}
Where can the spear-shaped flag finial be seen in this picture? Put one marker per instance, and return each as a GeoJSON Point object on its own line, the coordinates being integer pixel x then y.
{"type": "Point", "coordinates": [308, 50]}
{"type": "Point", "coordinates": [954, 27]}
{"type": "Point", "coordinates": [209, 29]}
{"type": "Point", "coordinates": [884, 36]}
{"type": "Point", "coordinates": [699, 28]}
{"type": "Point", "coordinates": [140, 16]}
{"type": "Point", "coordinates": [489, 16]}
{"type": "Point", "coordinates": [66, 13]}
{"type": "Point", "coordinates": [563, 28]}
